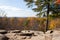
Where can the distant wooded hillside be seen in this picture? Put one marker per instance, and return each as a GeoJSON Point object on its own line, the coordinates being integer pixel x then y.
{"type": "Point", "coordinates": [30, 23]}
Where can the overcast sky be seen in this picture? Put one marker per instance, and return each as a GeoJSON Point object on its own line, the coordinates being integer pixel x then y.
{"type": "Point", "coordinates": [16, 8]}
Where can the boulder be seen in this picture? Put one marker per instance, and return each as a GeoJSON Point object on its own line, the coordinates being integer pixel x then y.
{"type": "Point", "coordinates": [14, 31]}
{"type": "Point", "coordinates": [3, 31]}
{"type": "Point", "coordinates": [27, 31]}
{"type": "Point", "coordinates": [14, 36]}
{"type": "Point", "coordinates": [10, 35]}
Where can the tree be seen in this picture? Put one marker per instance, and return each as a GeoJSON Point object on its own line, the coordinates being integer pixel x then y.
{"type": "Point", "coordinates": [43, 7]}
{"type": "Point", "coordinates": [2, 13]}
{"type": "Point", "coordinates": [2, 18]}
{"type": "Point", "coordinates": [55, 9]}
{"type": "Point", "coordinates": [25, 24]}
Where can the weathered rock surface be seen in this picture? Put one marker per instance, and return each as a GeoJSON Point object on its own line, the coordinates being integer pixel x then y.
{"type": "Point", "coordinates": [52, 36]}
{"type": "Point", "coordinates": [56, 35]}
{"type": "Point", "coordinates": [3, 37]}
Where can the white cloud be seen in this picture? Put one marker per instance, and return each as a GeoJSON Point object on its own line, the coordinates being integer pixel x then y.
{"type": "Point", "coordinates": [17, 12]}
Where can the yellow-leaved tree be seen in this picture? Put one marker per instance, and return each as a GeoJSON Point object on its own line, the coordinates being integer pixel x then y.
{"type": "Point", "coordinates": [52, 25]}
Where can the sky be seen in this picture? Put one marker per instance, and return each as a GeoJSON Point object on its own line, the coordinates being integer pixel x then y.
{"type": "Point", "coordinates": [16, 8]}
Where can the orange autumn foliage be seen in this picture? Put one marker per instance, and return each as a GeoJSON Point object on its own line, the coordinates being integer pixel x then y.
{"type": "Point", "coordinates": [57, 2]}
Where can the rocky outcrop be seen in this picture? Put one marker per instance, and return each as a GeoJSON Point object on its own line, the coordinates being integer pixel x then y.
{"type": "Point", "coordinates": [38, 35]}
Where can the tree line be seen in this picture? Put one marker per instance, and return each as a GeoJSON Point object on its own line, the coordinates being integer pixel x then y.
{"type": "Point", "coordinates": [30, 23]}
